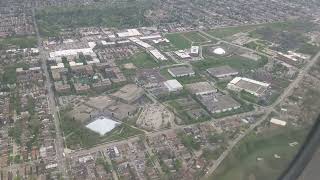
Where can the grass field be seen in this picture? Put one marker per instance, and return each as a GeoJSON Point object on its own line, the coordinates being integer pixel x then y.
{"type": "Point", "coordinates": [20, 42]}
{"type": "Point", "coordinates": [77, 135]}
{"type": "Point", "coordinates": [242, 163]}
{"type": "Point", "coordinates": [141, 60]}
{"type": "Point", "coordinates": [179, 41]}
{"type": "Point", "coordinates": [309, 49]}
{"type": "Point", "coordinates": [229, 31]}
{"type": "Point", "coordinates": [195, 37]}
{"type": "Point", "coordinates": [236, 62]}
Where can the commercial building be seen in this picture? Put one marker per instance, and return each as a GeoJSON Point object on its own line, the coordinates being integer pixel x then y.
{"type": "Point", "coordinates": [81, 88]}
{"type": "Point", "coordinates": [222, 71]}
{"type": "Point", "coordinates": [194, 51]}
{"type": "Point", "coordinates": [57, 73]}
{"type": "Point", "coordinates": [158, 55]}
{"type": "Point", "coordinates": [70, 52]}
{"type": "Point", "coordinates": [201, 88]}
{"type": "Point", "coordinates": [58, 66]}
{"type": "Point", "coordinates": [173, 85]}
{"type": "Point", "coordinates": [253, 87]}
{"type": "Point", "coordinates": [128, 93]}
{"type": "Point", "coordinates": [156, 36]}
{"type": "Point", "coordinates": [129, 33]}
{"type": "Point", "coordinates": [86, 69]}
{"type": "Point", "coordinates": [182, 54]}
{"type": "Point", "coordinates": [140, 43]}
{"type": "Point", "coordinates": [101, 85]}
{"type": "Point", "coordinates": [219, 51]}
{"type": "Point", "coordinates": [278, 122]}
{"type": "Point", "coordinates": [61, 87]}
{"type": "Point", "coordinates": [181, 71]}
{"type": "Point", "coordinates": [217, 103]}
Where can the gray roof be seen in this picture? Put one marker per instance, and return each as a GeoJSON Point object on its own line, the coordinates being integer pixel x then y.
{"type": "Point", "coordinates": [218, 102]}
{"type": "Point", "coordinates": [221, 70]}
{"type": "Point", "coordinates": [181, 70]}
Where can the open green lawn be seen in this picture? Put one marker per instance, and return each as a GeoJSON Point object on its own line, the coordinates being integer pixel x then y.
{"type": "Point", "coordinates": [290, 35]}
{"type": "Point", "coordinates": [195, 37]}
{"type": "Point", "coordinates": [20, 42]}
{"type": "Point", "coordinates": [236, 62]}
{"type": "Point", "coordinates": [121, 132]}
{"type": "Point", "coordinates": [141, 60]}
{"type": "Point", "coordinates": [309, 49]}
{"type": "Point", "coordinates": [179, 41]}
{"type": "Point", "coordinates": [242, 163]}
{"type": "Point", "coordinates": [229, 31]}
{"type": "Point", "coordinates": [77, 135]}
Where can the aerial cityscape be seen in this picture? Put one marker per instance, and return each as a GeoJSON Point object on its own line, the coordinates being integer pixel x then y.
{"type": "Point", "coordinates": [156, 89]}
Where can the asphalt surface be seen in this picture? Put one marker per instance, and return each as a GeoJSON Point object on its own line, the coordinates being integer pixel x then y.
{"type": "Point", "coordinates": [59, 142]}
{"type": "Point", "coordinates": [285, 94]}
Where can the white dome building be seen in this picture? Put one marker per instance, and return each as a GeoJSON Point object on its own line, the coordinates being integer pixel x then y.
{"type": "Point", "coordinates": [219, 51]}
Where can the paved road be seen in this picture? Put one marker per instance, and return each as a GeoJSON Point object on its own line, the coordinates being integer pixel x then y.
{"type": "Point", "coordinates": [285, 94]}
{"type": "Point", "coordinates": [59, 143]}
{"type": "Point", "coordinates": [102, 147]}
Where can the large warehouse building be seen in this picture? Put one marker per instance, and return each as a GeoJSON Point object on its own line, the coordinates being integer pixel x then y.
{"type": "Point", "coordinates": [222, 71]}
{"type": "Point", "coordinates": [251, 86]}
{"type": "Point", "coordinates": [173, 85]}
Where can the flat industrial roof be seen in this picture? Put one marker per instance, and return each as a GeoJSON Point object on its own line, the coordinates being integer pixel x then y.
{"type": "Point", "coordinates": [221, 70]}
{"type": "Point", "coordinates": [218, 102]}
{"type": "Point", "coordinates": [180, 70]}
{"type": "Point", "coordinates": [200, 87]}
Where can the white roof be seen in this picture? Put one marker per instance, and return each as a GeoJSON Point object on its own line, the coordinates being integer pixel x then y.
{"type": "Point", "coordinates": [158, 55]}
{"type": "Point", "coordinates": [70, 52]}
{"type": "Point", "coordinates": [102, 125]}
{"type": "Point", "coordinates": [173, 85]}
{"type": "Point", "coordinates": [182, 54]}
{"type": "Point", "coordinates": [50, 166]}
{"type": "Point", "coordinates": [19, 69]}
{"type": "Point", "coordinates": [156, 41]}
{"type": "Point", "coordinates": [59, 65]}
{"type": "Point", "coordinates": [34, 68]}
{"type": "Point", "coordinates": [143, 44]}
{"type": "Point", "coordinates": [278, 122]}
{"type": "Point", "coordinates": [151, 37]}
{"type": "Point", "coordinates": [129, 33]}
{"type": "Point", "coordinates": [219, 51]}
{"type": "Point", "coordinates": [194, 49]}
{"type": "Point", "coordinates": [92, 44]}
{"type": "Point", "coordinates": [94, 61]}
{"type": "Point", "coordinates": [103, 42]}
{"type": "Point", "coordinates": [34, 50]}
{"type": "Point", "coordinates": [68, 41]}
{"type": "Point", "coordinates": [72, 63]}
{"type": "Point", "coordinates": [85, 159]}
{"type": "Point", "coordinates": [112, 36]}
{"type": "Point", "coordinates": [237, 79]}
{"type": "Point", "coordinates": [140, 43]}
{"type": "Point", "coordinates": [122, 42]}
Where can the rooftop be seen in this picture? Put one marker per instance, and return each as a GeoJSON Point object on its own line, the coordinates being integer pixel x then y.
{"type": "Point", "coordinates": [200, 88]}
{"type": "Point", "coordinates": [181, 71]}
{"type": "Point", "coordinates": [222, 71]}
{"type": "Point", "coordinates": [102, 125]}
{"type": "Point", "coordinates": [128, 93]}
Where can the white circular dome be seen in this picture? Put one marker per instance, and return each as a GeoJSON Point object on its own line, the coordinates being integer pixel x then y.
{"type": "Point", "coordinates": [219, 51]}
